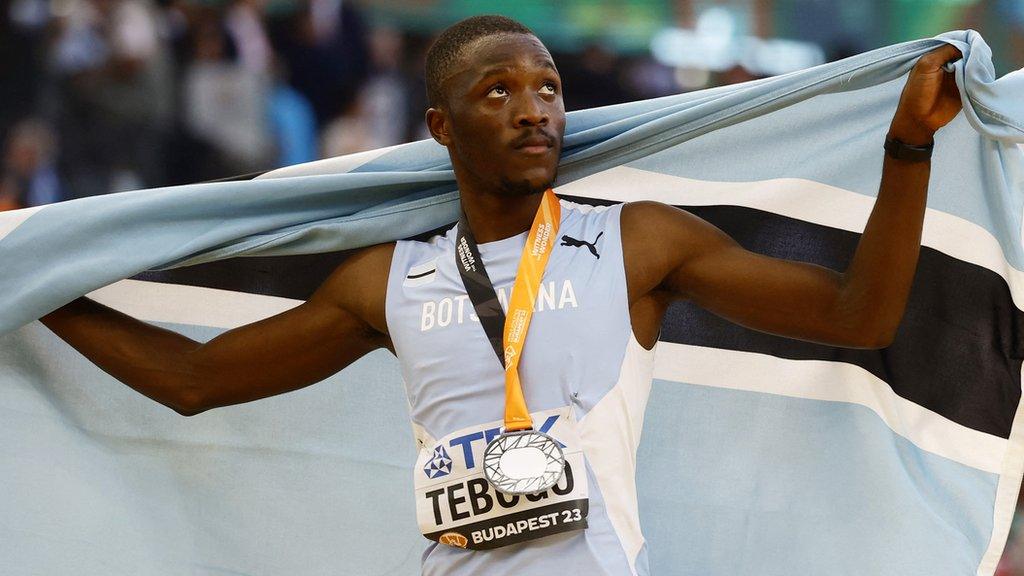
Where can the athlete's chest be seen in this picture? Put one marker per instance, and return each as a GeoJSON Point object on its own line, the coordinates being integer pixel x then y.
{"type": "Point", "coordinates": [573, 343]}
{"type": "Point", "coordinates": [575, 294]}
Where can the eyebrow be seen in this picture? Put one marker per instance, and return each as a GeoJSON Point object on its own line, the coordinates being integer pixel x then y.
{"type": "Point", "coordinates": [496, 69]}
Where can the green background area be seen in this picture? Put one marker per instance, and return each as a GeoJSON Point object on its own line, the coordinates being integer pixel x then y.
{"type": "Point", "coordinates": [628, 25]}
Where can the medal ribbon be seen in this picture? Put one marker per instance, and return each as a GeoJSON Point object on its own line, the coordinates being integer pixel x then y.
{"type": "Point", "coordinates": [480, 290]}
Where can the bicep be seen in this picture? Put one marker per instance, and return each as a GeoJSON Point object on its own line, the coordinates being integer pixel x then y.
{"type": "Point", "coordinates": [783, 297]}
{"type": "Point", "coordinates": [699, 262]}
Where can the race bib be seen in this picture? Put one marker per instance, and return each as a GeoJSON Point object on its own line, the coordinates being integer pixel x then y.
{"type": "Point", "coordinates": [457, 506]}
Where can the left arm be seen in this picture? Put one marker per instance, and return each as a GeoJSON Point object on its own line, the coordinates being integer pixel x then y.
{"type": "Point", "coordinates": [859, 308]}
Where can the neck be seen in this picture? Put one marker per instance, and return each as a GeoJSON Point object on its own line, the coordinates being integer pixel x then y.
{"type": "Point", "coordinates": [492, 217]}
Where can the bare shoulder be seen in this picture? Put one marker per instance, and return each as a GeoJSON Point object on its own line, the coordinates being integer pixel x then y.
{"type": "Point", "coordinates": [658, 239]}
{"type": "Point", "coordinates": [359, 285]}
{"type": "Point", "coordinates": [647, 219]}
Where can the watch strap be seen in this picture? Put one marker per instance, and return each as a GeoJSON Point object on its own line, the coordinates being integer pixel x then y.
{"type": "Point", "coordinates": [902, 151]}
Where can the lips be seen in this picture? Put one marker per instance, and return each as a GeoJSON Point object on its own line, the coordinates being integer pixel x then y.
{"type": "Point", "coordinates": [534, 150]}
{"type": "Point", "coordinates": [538, 144]}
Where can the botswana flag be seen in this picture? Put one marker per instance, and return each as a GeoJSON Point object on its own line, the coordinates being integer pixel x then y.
{"type": "Point", "coordinates": [760, 455]}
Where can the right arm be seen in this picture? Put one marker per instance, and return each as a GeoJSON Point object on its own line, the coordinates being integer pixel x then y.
{"type": "Point", "coordinates": [342, 321]}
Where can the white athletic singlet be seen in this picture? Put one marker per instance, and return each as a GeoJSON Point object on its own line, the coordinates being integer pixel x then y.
{"type": "Point", "coordinates": [580, 356]}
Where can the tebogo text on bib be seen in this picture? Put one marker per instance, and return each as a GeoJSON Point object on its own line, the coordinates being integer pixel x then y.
{"type": "Point", "coordinates": [457, 506]}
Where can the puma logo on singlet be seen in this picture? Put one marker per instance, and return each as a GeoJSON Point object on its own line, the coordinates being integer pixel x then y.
{"type": "Point", "coordinates": [570, 241]}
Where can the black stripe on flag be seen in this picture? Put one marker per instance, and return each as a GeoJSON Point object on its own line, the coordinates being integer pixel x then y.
{"type": "Point", "coordinates": [295, 277]}
{"type": "Point", "coordinates": [958, 350]}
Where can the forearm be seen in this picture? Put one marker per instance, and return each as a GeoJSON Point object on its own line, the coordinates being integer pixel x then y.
{"type": "Point", "coordinates": [877, 282]}
{"type": "Point", "coordinates": [284, 352]}
{"type": "Point", "coordinates": [147, 358]}
{"type": "Point", "coordinates": [876, 285]}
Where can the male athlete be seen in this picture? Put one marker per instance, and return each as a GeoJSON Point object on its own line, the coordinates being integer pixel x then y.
{"type": "Point", "coordinates": [496, 104]}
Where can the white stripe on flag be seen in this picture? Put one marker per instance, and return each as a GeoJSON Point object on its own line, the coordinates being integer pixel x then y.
{"type": "Point", "coordinates": [835, 382]}
{"type": "Point", "coordinates": [174, 303]}
{"type": "Point", "coordinates": [1007, 492]}
{"type": "Point", "coordinates": [13, 218]}
{"type": "Point", "coordinates": [805, 200]}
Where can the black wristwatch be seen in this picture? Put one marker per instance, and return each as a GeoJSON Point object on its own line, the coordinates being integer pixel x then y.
{"type": "Point", "coordinates": [900, 151]}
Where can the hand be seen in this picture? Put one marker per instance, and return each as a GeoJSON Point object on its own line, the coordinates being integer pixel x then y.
{"type": "Point", "coordinates": [929, 100]}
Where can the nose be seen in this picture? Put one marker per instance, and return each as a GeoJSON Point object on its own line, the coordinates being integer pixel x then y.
{"type": "Point", "coordinates": [531, 109]}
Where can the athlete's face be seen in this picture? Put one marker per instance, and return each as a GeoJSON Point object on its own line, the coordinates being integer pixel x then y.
{"type": "Point", "coordinates": [504, 119]}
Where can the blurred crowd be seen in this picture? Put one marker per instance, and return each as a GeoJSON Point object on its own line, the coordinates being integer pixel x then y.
{"type": "Point", "coordinates": [110, 95]}
{"type": "Point", "coordinates": [106, 95]}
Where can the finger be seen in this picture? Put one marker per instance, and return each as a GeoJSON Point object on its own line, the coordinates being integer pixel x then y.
{"type": "Point", "coordinates": [950, 87]}
{"type": "Point", "coordinates": [943, 54]}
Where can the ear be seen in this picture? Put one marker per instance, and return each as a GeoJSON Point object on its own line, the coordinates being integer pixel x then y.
{"type": "Point", "coordinates": [437, 123]}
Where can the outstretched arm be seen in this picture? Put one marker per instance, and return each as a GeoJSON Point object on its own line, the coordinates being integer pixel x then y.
{"type": "Point", "coordinates": [342, 321]}
{"type": "Point", "coordinates": [859, 308]}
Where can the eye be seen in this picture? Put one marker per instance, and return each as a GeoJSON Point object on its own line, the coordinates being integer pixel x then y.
{"type": "Point", "coordinates": [553, 86]}
{"type": "Point", "coordinates": [496, 88]}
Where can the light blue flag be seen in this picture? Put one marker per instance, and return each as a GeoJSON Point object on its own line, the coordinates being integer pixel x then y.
{"type": "Point", "coordinates": [760, 455]}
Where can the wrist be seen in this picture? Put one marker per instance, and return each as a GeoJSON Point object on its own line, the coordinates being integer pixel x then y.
{"type": "Point", "coordinates": [910, 133]}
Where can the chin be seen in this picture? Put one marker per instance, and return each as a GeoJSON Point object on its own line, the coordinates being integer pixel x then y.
{"type": "Point", "coordinates": [527, 186]}
{"type": "Point", "coordinates": [522, 187]}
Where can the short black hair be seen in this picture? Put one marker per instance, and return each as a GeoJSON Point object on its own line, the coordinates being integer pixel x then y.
{"type": "Point", "coordinates": [447, 49]}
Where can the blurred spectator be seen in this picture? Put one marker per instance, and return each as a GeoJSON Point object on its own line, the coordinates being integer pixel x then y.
{"type": "Point", "coordinates": [735, 75]}
{"type": "Point", "coordinates": [29, 176]}
{"type": "Point", "coordinates": [244, 23]}
{"type": "Point", "coordinates": [115, 94]}
{"type": "Point", "coordinates": [349, 132]}
{"type": "Point", "coordinates": [324, 46]}
{"type": "Point", "coordinates": [23, 46]}
{"type": "Point", "coordinates": [292, 121]}
{"type": "Point", "coordinates": [645, 78]}
{"type": "Point", "coordinates": [413, 65]}
{"type": "Point", "coordinates": [224, 102]}
{"type": "Point", "coordinates": [591, 79]}
{"type": "Point", "coordinates": [378, 117]}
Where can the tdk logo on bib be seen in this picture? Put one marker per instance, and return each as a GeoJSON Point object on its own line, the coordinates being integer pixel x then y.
{"type": "Point", "coordinates": [466, 441]}
{"type": "Point", "coordinates": [440, 465]}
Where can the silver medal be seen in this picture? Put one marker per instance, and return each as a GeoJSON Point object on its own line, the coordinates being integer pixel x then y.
{"type": "Point", "coordinates": [523, 462]}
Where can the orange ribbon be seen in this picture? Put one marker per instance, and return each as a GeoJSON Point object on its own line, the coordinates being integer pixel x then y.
{"type": "Point", "coordinates": [534, 259]}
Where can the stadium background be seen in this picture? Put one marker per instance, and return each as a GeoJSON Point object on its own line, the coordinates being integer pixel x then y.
{"type": "Point", "coordinates": [98, 96]}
